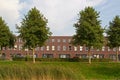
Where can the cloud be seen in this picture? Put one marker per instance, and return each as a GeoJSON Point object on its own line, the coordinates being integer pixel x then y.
{"type": "Point", "coordinates": [9, 11]}
{"type": "Point", "coordinates": [61, 14]}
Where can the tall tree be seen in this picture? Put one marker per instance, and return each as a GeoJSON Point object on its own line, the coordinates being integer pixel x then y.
{"type": "Point", "coordinates": [113, 33]}
{"type": "Point", "coordinates": [88, 30]}
{"type": "Point", "coordinates": [6, 37]}
{"type": "Point", "coordinates": [34, 30]}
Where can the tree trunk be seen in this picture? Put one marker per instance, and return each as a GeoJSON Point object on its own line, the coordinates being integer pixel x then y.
{"type": "Point", "coordinates": [0, 51]}
{"type": "Point", "coordinates": [117, 60]}
{"type": "Point", "coordinates": [33, 55]}
{"type": "Point", "coordinates": [89, 55]}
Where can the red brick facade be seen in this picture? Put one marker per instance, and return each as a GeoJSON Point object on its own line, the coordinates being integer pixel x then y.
{"type": "Point", "coordinates": [58, 47]}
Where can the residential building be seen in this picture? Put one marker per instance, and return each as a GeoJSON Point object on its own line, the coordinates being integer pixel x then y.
{"type": "Point", "coordinates": [58, 47]}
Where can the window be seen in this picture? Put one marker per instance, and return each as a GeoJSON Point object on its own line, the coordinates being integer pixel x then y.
{"type": "Point", "coordinates": [98, 56]}
{"type": "Point", "coordinates": [4, 48]}
{"type": "Point", "coordinates": [58, 40]}
{"type": "Point", "coordinates": [18, 55]}
{"type": "Point", "coordinates": [64, 40]}
{"type": "Point", "coordinates": [103, 48]}
{"type": "Point", "coordinates": [20, 47]}
{"type": "Point", "coordinates": [64, 55]}
{"type": "Point", "coordinates": [47, 48]}
{"type": "Point", "coordinates": [47, 55]}
{"type": "Point", "coordinates": [19, 40]}
{"type": "Point", "coordinates": [101, 56]}
{"type": "Point", "coordinates": [42, 48]}
{"type": "Point", "coordinates": [26, 49]}
{"type": "Point", "coordinates": [15, 47]}
{"type": "Point", "coordinates": [35, 55]}
{"type": "Point", "coordinates": [114, 49]}
{"type": "Point", "coordinates": [58, 48]}
{"type": "Point", "coordinates": [53, 48]}
{"type": "Point", "coordinates": [98, 50]}
{"type": "Point", "coordinates": [108, 48]}
{"type": "Point", "coordinates": [70, 48]}
{"type": "Point", "coordinates": [10, 48]}
{"type": "Point", "coordinates": [75, 48]}
{"type": "Point", "coordinates": [37, 48]}
{"type": "Point", "coordinates": [69, 40]}
{"type": "Point", "coordinates": [64, 48]}
{"type": "Point", "coordinates": [81, 48]}
{"type": "Point", "coordinates": [86, 48]}
{"type": "Point", "coordinates": [112, 56]}
{"type": "Point", "coordinates": [53, 40]}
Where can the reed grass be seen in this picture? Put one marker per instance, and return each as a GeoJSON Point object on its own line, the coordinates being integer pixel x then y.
{"type": "Point", "coordinates": [30, 71]}
{"type": "Point", "coordinates": [59, 71]}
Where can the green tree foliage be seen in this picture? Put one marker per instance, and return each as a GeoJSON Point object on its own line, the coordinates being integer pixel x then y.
{"type": "Point", "coordinates": [34, 30]}
{"type": "Point", "coordinates": [6, 37]}
{"type": "Point", "coordinates": [88, 30]}
{"type": "Point", "coordinates": [113, 33]}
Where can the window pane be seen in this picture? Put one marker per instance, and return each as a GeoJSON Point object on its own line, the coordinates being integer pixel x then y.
{"type": "Point", "coordinates": [53, 40]}
{"type": "Point", "coordinates": [64, 40]}
{"type": "Point", "coordinates": [70, 48]}
{"type": "Point", "coordinates": [47, 48]}
{"type": "Point", "coordinates": [58, 40]}
{"type": "Point", "coordinates": [75, 48]}
{"type": "Point", "coordinates": [64, 48]}
{"type": "Point", "coordinates": [58, 48]}
{"type": "Point", "coordinates": [42, 48]}
{"type": "Point", "coordinates": [53, 48]}
{"type": "Point", "coordinates": [103, 48]}
{"type": "Point", "coordinates": [81, 48]}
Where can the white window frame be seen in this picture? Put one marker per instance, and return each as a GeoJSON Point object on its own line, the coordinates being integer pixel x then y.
{"type": "Point", "coordinates": [75, 48]}
{"type": "Point", "coordinates": [103, 48]}
{"type": "Point", "coordinates": [47, 48]}
{"type": "Point", "coordinates": [53, 48]}
{"type": "Point", "coordinates": [81, 48]}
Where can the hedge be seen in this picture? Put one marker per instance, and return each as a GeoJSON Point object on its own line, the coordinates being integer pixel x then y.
{"type": "Point", "coordinates": [59, 59]}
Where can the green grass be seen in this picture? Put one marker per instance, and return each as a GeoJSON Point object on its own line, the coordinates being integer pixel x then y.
{"type": "Point", "coordinates": [59, 71]}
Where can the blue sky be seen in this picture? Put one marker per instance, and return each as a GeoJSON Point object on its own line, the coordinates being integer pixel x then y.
{"type": "Point", "coordinates": [61, 14]}
{"type": "Point", "coordinates": [108, 11]}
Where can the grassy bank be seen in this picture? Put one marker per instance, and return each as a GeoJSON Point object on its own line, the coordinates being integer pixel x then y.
{"type": "Point", "coordinates": [58, 71]}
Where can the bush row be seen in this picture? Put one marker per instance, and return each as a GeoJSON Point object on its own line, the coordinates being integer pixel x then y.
{"type": "Point", "coordinates": [59, 59]}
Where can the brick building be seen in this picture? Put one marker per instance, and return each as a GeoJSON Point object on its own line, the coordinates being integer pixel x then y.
{"type": "Point", "coordinates": [58, 47]}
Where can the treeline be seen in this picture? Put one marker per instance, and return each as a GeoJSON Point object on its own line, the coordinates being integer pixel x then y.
{"type": "Point", "coordinates": [89, 32]}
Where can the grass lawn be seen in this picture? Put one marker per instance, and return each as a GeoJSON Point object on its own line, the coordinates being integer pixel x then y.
{"type": "Point", "coordinates": [10, 70]}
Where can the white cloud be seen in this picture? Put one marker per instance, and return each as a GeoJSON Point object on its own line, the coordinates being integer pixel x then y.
{"type": "Point", "coordinates": [61, 14]}
{"type": "Point", "coordinates": [9, 11]}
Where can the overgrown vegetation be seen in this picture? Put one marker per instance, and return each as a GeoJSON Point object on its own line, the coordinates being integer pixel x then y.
{"type": "Point", "coordinates": [59, 71]}
{"type": "Point", "coordinates": [30, 71]}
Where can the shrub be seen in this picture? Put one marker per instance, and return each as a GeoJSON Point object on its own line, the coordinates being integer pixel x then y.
{"type": "Point", "coordinates": [75, 59]}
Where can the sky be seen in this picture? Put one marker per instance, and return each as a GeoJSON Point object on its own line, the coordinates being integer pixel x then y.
{"type": "Point", "coordinates": [61, 14]}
